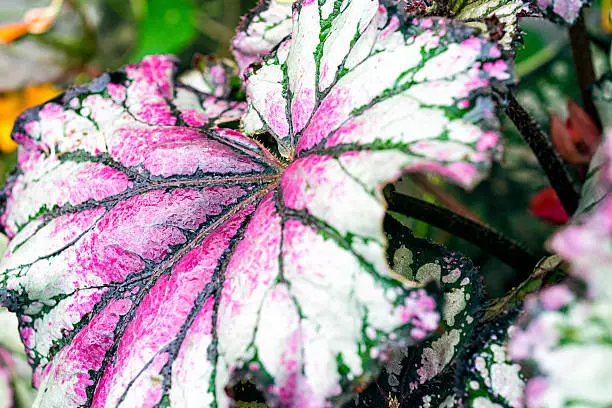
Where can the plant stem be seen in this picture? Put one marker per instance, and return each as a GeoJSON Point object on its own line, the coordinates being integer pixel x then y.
{"type": "Point", "coordinates": [481, 235]}
{"type": "Point", "coordinates": [444, 197]}
{"type": "Point", "coordinates": [583, 61]}
{"type": "Point", "coordinates": [213, 29]}
{"type": "Point", "coordinates": [540, 144]}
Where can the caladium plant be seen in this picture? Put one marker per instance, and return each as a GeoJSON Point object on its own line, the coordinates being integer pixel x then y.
{"type": "Point", "coordinates": [156, 259]}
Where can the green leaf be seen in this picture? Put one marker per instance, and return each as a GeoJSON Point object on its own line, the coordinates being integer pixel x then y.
{"type": "Point", "coordinates": [167, 27]}
{"type": "Point", "coordinates": [548, 269]}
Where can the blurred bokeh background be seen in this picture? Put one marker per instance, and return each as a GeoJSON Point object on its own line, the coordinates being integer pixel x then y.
{"type": "Point", "coordinates": [79, 39]}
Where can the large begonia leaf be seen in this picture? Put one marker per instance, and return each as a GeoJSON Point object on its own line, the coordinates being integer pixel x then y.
{"type": "Point", "coordinates": [267, 25]}
{"type": "Point", "coordinates": [156, 260]}
{"type": "Point", "coordinates": [487, 375]}
{"type": "Point", "coordinates": [353, 78]}
{"type": "Point", "coordinates": [153, 261]}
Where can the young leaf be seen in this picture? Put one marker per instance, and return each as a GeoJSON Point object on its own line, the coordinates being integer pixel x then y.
{"type": "Point", "coordinates": [422, 261]}
{"type": "Point", "coordinates": [488, 377]}
{"type": "Point", "coordinates": [262, 29]}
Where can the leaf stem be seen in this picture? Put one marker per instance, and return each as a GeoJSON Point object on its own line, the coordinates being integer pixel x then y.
{"type": "Point", "coordinates": [506, 250]}
{"type": "Point", "coordinates": [213, 29]}
{"type": "Point", "coordinates": [583, 61]}
{"type": "Point", "coordinates": [443, 197]}
{"type": "Point", "coordinates": [540, 144]}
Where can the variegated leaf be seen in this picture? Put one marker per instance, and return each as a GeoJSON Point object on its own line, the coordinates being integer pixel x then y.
{"type": "Point", "coordinates": [564, 343]}
{"type": "Point", "coordinates": [498, 18]}
{"type": "Point", "coordinates": [424, 374]}
{"type": "Point", "coordinates": [156, 260]}
{"type": "Point", "coordinates": [268, 24]}
{"type": "Point", "coordinates": [354, 78]}
{"type": "Point", "coordinates": [210, 75]}
{"type": "Point", "coordinates": [260, 31]}
{"type": "Point", "coordinates": [488, 377]}
{"type": "Point", "coordinates": [422, 261]}
{"type": "Point", "coordinates": [437, 393]}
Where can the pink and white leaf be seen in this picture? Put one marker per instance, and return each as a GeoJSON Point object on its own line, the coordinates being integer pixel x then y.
{"type": "Point", "coordinates": [155, 261]}
{"type": "Point", "coordinates": [416, 97]}
{"type": "Point", "coordinates": [260, 31]}
{"type": "Point", "coordinates": [210, 75]}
